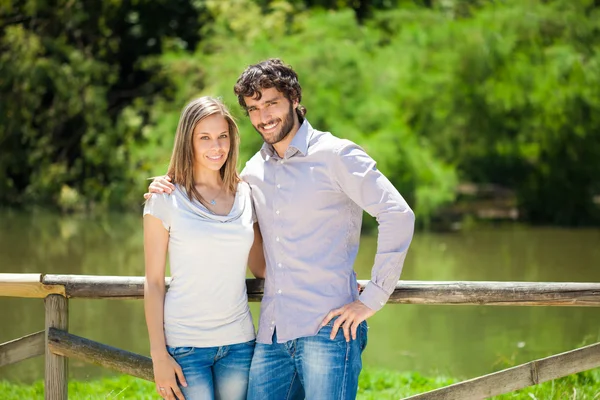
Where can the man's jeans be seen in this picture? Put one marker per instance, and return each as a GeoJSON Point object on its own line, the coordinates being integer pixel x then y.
{"type": "Point", "coordinates": [215, 372]}
{"type": "Point", "coordinates": [314, 367]}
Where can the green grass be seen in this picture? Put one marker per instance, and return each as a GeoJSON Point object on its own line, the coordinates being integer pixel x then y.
{"type": "Point", "coordinates": [384, 384]}
{"type": "Point", "coordinates": [374, 384]}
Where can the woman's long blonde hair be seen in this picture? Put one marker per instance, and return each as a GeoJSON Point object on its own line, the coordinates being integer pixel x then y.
{"type": "Point", "coordinates": [181, 166]}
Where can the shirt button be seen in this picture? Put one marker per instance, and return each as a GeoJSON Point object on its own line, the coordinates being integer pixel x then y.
{"type": "Point", "coordinates": [277, 239]}
{"type": "Point", "coordinates": [277, 212]}
{"type": "Point", "coordinates": [278, 186]}
{"type": "Point", "coordinates": [279, 291]}
{"type": "Point", "coordinates": [279, 265]}
{"type": "Point", "coordinates": [272, 322]}
{"type": "Point", "coordinates": [282, 161]}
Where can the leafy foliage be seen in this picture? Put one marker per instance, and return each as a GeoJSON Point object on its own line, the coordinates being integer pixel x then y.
{"type": "Point", "coordinates": [436, 91]}
{"type": "Point", "coordinates": [70, 70]}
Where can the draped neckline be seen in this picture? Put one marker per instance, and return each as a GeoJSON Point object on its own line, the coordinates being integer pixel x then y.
{"type": "Point", "coordinates": [194, 206]}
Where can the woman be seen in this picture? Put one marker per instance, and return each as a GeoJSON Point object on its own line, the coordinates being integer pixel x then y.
{"type": "Point", "coordinates": [201, 331]}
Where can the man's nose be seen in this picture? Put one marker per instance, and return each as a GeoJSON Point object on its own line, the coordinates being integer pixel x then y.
{"type": "Point", "coordinates": [265, 115]}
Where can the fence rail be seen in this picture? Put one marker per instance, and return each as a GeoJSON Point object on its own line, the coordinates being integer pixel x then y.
{"type": "Point", "coordinates": [519, 377]}
{"type": "Point", "coordinates": [58, 344]}
{"type": "Point", "coordinates": [406, 292]}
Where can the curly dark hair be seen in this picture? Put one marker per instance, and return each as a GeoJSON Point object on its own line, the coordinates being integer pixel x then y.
{"type": "Point", "coordinates": [267, 74]}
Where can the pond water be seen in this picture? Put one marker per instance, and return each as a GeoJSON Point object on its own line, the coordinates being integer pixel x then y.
{"type": "Point", "coordinates": [461, 341]}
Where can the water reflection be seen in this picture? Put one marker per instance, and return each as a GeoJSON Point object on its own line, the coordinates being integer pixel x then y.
{"type": "Point", "coordinates": [462, 341]}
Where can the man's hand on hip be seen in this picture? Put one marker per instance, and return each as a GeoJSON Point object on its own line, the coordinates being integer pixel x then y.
{"type": "Point", "coordinates": [350, 316]}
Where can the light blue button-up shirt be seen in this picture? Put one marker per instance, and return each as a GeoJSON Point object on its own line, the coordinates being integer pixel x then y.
{"type": "Point", "coordinates": [309, 207]}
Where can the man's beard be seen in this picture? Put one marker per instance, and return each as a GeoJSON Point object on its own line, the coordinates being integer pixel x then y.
{"type": "Point", "coordinates": [287, 125]}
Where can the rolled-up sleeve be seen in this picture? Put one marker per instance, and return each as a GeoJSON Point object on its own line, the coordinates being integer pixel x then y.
{"type": "Point", "coordinates": [356, 174]}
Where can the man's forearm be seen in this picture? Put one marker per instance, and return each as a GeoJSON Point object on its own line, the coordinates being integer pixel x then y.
{"type": "Point", "coordinates": [395, 234]}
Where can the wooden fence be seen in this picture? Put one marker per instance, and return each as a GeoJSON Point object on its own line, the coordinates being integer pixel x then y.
{"type": "Point", "coordinates": [58, 344]}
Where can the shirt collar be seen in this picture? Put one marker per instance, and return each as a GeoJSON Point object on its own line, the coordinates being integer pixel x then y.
{"type": "Point", "coordinates": [299, 143]}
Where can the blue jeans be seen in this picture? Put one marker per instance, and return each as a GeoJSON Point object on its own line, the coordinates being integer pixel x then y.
{"type": "Point", "coordinates": [215, 372]}
{"type": "Point", "coordinates": [313, 367]}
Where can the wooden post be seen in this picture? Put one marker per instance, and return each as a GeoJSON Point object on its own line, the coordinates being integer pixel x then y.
{"type": "Point", "coordinates": [56, 379]}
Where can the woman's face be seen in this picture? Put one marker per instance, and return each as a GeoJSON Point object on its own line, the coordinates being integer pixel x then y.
{"type": "Point", "coordinates": [211, 142]}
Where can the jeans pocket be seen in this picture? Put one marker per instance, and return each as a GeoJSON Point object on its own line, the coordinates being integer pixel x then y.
{"type": "Point", "coordinates": [178, 352]}
{"type": "Point", "coordinates": [331, 322]}
{"type": "Point", "coordinates": [250, 343]}
{"type": "Point", "coordinates": [363, 328]}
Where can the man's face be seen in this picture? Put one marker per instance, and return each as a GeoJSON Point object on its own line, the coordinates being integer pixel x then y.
{"type": "Point", "coordinates": [272, 116]}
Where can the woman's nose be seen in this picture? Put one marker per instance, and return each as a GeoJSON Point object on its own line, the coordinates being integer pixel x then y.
{"type": "Point", "coordinates": [215, 144]}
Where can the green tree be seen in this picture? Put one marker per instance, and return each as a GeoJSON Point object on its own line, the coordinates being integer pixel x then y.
{"type": "Point", "coordinates": [343, 87]}
{"type": "Point", "coordinates": [69, 71]}
{"type": "Point", "coordinates": [509, 96]}
{"type": "Point", "coordinates": [437, 91]}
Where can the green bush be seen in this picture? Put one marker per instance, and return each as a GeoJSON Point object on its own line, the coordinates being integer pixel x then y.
{"type": "Point", "coordinates": [437, 92]}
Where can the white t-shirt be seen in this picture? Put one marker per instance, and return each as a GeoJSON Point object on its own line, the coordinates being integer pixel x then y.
{"type": "Point", "coordinates": [207, 303]}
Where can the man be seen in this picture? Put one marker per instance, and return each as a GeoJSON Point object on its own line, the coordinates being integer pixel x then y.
{"type": "Point", "coordinates": [309, 189]}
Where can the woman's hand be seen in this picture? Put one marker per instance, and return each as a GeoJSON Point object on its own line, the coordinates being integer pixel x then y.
{"type": "Point", "coordinates": [166, 374]}
{"type": "Point", "coordinates": [160, 184]}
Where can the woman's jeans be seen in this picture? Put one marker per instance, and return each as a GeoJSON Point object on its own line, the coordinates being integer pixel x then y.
{"type": "Point", "coordinates": [313, 367]}
{"type": "Point", "coordinates": [215, 372]}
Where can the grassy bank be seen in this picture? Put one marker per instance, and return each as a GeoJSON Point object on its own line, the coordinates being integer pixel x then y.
{"type": "Point", "coordinates": [374, 384]}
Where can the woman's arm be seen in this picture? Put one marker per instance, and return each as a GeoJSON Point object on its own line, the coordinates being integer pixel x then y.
{"type": "Point", "coordinates": [256, 259]}
{"type": "Point", "coordinates": [156, 240]}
